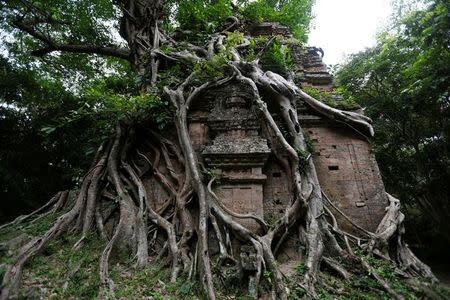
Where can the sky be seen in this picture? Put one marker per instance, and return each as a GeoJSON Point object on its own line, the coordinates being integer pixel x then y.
{"type": "Point", "coordinates": [342, 27]}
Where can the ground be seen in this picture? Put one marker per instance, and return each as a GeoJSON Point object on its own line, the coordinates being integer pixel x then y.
{"type": "Point", "coordinates": [64, 273]}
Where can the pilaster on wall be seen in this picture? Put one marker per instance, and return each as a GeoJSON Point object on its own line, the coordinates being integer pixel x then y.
{"type": "Point", "coordinates": [237, 153]}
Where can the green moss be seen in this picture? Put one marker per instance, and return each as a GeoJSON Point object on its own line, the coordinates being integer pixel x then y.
{"type": "Point", "coordinates": [8, 233]}
{"type": "Point", "coordinates": [309, 143]}
{"type": "Point", "coordinates": [133, 284]}
{"type": "Point", "coordinates": [52, 267]}
{"type": "Point", "coordinates": [271, 219]}
{"type": "Point", "coordinates": [2, 272]}
{"type": "Point", "coordinates": [61, 272]}
{"type": "Point", "coordinates": [303, 160]}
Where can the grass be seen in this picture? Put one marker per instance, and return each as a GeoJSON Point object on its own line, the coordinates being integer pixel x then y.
{"type": "Point", "coordinates": [31, 229]}
{"type": "Point", "coordinates": [52, 274]}
{"type": "Point", "coordinates": [60, 272]}
{"type": "Point", "coordinates": [152, 282]}
{"type": "Point", "coordinates": [363, 286]}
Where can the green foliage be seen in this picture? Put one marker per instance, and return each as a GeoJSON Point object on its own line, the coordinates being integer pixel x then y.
{"type": "Point", "coordinates": [337, 99]}
{"type": "Point", "coordinates": [37, 157]}
{"type": "Point", "coordinates": [207, 16]}
{"type": "Point", "coordinates": [214, 67]}
{"type": "Point", "coordinates": [309, 143]}
{"type": "Point", "coordinates": [200, 15]}
{"type": "Point", "coordinates": [403, 83]}
{"type": "Point", "coordinates": [295, 14]}
{"type": "Point", "coordinates": [61, 272]}
{"type": "Point", "coordinates": [233, 39]}
{"type": "Point", "coordinates": [303, 157]}
{"type": "Point", "coordinates": [210, 69]}
{"type": "Point", "coordinates": [72, 22]}
{"type": "Point", "coordinates": [131, 107]}
{"type": "Point", "coordinates": [296, 291]}
{"type": "Point", "coordinates": [267, 275]}
{"type": "Point", "coordinates": [301, 269]}
{"type": "Point", "coordinates": [277, 57]}
{"type": "Point", "coordinates": [360, 285]}
{"type": "Point", "coordinates": [256, 44]}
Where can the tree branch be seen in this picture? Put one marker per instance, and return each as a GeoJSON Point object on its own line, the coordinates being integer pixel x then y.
{"type": "Point", "coordinates": [88, 49]}
{"type": "Point", "coordinates": [73, 48]}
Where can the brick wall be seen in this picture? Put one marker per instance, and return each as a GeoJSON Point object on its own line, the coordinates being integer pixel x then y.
{"type": "Point", "coordinates": [348, 174]}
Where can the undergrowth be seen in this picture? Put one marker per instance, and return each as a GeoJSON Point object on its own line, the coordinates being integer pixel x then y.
{"type": "Point", "coordinates": [333, 99]}
{"type": "Point", "coordinates": [61, 272]}
{"type": "Point", "coordinates": [362, 285]}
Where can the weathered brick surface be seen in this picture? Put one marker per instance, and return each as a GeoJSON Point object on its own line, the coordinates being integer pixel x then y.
{"type": "Point", "coordinates": [243, 199]}
{"type": "Point", "coordinates": [269, 28]}
{"type": "Point", "coordinates": [199, 133]}
{"type": "Point", "coordinates": [235, 151]}
{"type": "Point", "coordinates": [348, 174]}
{"type": "Point", "coordinates": [226, 133]}
{"type": "Point", "coordinates": [346, 168]}
{"type": "Point", "coordinates": [276, 190]}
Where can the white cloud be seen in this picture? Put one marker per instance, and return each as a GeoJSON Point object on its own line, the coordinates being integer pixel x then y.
{"type": "Point", "coordinates": [342, 27]}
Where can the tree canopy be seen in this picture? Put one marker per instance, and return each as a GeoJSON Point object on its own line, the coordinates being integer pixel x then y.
{"type": "Point", "coordinates": [403, 82]}
{"type": "Point", "coordinates": [62, 93]}
{"type": "Point", "coordinates": [125, 75]}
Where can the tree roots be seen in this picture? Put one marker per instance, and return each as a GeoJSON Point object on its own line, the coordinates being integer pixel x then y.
{"type": "Point", "coordinates": [114, 200]}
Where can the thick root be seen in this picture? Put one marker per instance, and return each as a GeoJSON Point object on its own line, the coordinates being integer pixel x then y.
{"type": "Point", "coordinates": [135, 223]}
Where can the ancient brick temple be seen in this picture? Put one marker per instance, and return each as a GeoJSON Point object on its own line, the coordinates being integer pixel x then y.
{"type": "Point", "coordinates": [228, 136]}
{"type": "Point", "coordinates": [231, 141]}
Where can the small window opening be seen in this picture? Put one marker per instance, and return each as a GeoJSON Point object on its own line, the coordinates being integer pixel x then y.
{"type": "Point", "coordinates": [334, 146]}
{"type": "Point", "coordinates": [276, 174]}
{"type": "Point", "coordinates": [333, 168]}
{"type": "Point", "coordinates": [315, 140]}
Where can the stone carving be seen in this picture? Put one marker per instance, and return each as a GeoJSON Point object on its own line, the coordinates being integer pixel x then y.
{"type": "Point", "coordinates": [237, 151]}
